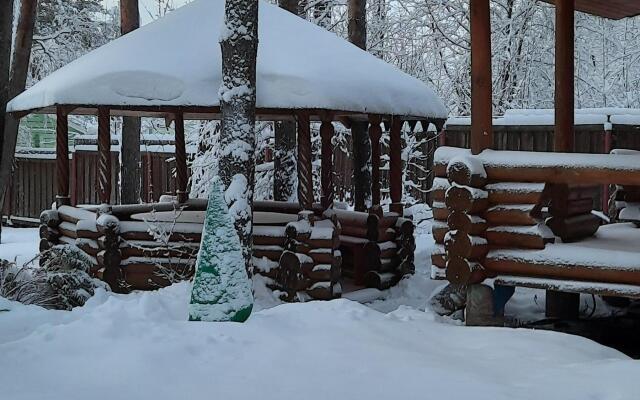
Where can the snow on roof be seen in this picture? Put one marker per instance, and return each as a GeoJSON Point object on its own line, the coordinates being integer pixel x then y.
{"type": "Point", "coordinates": [176, 61]}
{"type": "Point", "coordinates": [539, 117]}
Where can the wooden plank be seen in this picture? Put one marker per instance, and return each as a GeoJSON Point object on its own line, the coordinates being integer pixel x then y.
{"type": "Point", "coordinates": [571, 286]}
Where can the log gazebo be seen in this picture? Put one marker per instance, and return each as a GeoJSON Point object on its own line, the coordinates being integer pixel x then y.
{"type": "Point", "coordinates": [526, 218]}
{"type": "Point", "coordinates": [172, 69]}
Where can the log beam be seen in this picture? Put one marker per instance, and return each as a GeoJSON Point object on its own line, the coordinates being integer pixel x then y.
{"type": "Point", "coordinates": [395, 173]}
{"type": "Point", "coordinates": [181, 159]}
{"type": "Point", "coordinates": [104, 155]}
{"type": "Point", "coordinates": [375, 133]}
{"type": "Point", "coordinates": [481, 98]}
{"type": "Point", "coordinates": [62, 157]}
{"type": "Point", "coordinates": [305, 175]}
{"type": "Point", "coordinates": [564, 95]}
{"type": "Point", "coordinates": [326, 134]}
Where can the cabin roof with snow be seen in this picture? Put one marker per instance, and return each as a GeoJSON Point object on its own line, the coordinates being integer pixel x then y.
{"type": "Point", "coordinates": [612, 9]}
{"type": "Point", "coordinates": [176, 62]}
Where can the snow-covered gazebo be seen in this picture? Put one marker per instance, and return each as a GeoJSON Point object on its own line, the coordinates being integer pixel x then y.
{"type": "Point", "coordinates": [172, 69]}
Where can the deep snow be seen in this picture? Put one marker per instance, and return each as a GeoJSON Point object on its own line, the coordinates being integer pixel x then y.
{"type": "Point", "coordinates": [142, 346]}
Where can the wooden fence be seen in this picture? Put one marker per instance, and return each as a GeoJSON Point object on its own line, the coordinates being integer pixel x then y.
{"type": "Point", "coordinates": [589, 138]}
{"type": "Point", "coordinates": [32, 188]}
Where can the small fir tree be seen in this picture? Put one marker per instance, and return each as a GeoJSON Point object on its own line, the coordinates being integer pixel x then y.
{"type": "Point", "coordinates": [221, 288]}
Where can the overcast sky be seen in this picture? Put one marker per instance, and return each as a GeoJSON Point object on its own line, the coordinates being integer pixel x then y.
{"type": "Point", "coordinates": [147, 7]}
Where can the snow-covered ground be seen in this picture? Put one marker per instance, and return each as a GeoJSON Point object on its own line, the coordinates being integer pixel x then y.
{"type": "Point", "coordinates": [141, 346]}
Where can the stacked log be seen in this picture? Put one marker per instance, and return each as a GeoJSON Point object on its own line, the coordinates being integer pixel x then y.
{"type": "Point", "coordinates": [440, 214]}
{"type": "Point", "coordinates": [68, 226]}
{"type": "Point", "coordinates": [310, 264]}
{"type": "Point", "coordinates": [570, 209]}
{"type": "Point", "coordinates": [109, 256]}
{"type": "Point", "coordinates": [378, 248]}
{"type": "Point", "coordinates": [466, 201]}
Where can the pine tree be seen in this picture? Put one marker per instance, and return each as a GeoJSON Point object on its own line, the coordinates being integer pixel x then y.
{"type": "Point", "coordinates": [221, 288]}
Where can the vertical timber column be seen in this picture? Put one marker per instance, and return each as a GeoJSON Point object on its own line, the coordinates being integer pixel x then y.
{"type": "Point", "coordinates": [326, 134]}
{"type": "Point", "coordinates": [395, 173]}
{"type": "Point", "coordinates": [375, 133]}
{"type": "Point", "coordinates": [62, 157]}
{"type": "Point", "coordinates": [558, 304]}
{"type": "Point", "coordinates": [481, 100]}
{"type": "Point", "coordinates": [564, 97]}
{"type": "Point", "coordinates": [181, 159]}
{"type": "Point", "coordinates": [305, 173]}
{"type": "Point", "coordinates": [104, 155]}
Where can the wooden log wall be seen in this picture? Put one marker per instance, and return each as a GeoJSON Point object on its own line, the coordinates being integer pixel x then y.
{"type": "Point", "coordinates": [310, 263]}
{"type": "Point", "coordinates": [465, 201]}
{"type": "Point", "coordinates": [472, 212]}
{"type": "Point", "coordinates": [378, 249]}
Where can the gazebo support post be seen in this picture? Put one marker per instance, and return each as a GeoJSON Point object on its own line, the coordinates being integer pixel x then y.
{"type": "Point", "coordinates": [181, 159]}
{"type": "Point", "coordinates": [104, 155]}
{"type": "Point", "coordinates": [558, 304]}
{"type": "Point", "coordinates": [564, 97]}
{"type": "Point", "coordinates": [62, 157]}
{"type": "Point", "coordinates": [305, 174]}
{"type": "Point", "coordinates": [375, 133]}
{"type": "Point", "coordinates": [481, 99]}
{"type": "Point", "coordinates": [395, 172]}
{"type": "Point", "coordinates": [326, 134]}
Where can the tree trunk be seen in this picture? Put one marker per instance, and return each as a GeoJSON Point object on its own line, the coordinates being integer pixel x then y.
{"type": "Point", "coordinates": [17, 83]}
{"type": "Point", "coordinates": [322, 10]}
{"type": "Point", "coordinates": [284, 176]}
{"type": "Point", "coordinates": [238, 103]}
{"type": "Point", "coordinates": [360, 138]}
{"type": "Point", "coordinates": [130, 176]}
{"type": "Point", "coordinates": [6, 36]}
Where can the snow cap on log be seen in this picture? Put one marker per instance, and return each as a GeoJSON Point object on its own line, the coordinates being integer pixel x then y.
{"type": "Point", "coordinates": [467, 171]}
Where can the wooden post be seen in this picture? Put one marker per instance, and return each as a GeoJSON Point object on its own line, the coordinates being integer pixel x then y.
{"type": "Point", "coordinates": [62, 157]}
{"type": "Point", "coordinates": [375, 133]}
{"type": "Point", "coordinates": [305, 174]}
{"type": "Point", "coordinates": [104, 155]}
{"type": "Point", "coordinates": [606, 190]}
{"type": "Point", "coordinates": [395, 173]}
{"type": "Point", "coordinates": [564, 97]}
{"type": "Point", "coordinates": [181, 159]}
{"type": "Point", "coordinates": [326, 134]}
{"type": "Point", "coordinates": [481, 99]}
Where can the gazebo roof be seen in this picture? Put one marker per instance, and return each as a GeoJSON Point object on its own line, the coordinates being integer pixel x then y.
{"type": "Point", "coordinates": [176, 62]}
{"type": "Point", "coordinates": [613, 9]}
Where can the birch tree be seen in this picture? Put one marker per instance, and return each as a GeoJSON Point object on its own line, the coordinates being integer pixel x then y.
{"type": "Point", "coordinates": [130, 178]}
{"type": "Point", "coordinates": [239, 42]}
{"type": "Point", "coordinates": [357, 31]}
{"type": "Point", "coordinates": [284, 178]}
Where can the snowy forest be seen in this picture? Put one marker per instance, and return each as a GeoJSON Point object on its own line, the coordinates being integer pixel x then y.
{"type": "Point", "coordinates": [428, 39]}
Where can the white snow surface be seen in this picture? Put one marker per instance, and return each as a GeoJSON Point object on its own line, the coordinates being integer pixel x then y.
{"type": "Point", "coordinates": [177, 61]}
{"type": "Point", "coordinates": [530, 159]}
{"type": "Point", "coordinates": [614, 246]}
{"type": "Point", "coordinates": [141, 346]}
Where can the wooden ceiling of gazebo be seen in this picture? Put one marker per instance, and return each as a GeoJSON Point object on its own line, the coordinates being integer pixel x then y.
{"type": "Point", "coordinates": [613, 9]}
